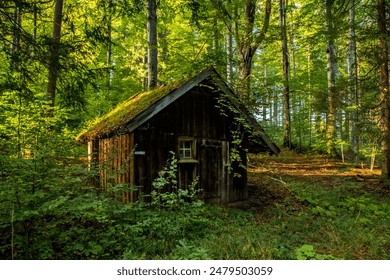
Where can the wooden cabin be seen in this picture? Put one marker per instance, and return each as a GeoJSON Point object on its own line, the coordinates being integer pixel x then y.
{"type": "Point", "coordinates": [201, 120]}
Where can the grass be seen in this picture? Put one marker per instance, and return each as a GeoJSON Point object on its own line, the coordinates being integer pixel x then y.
{"type": "Point", "coordinates": [300, 207]}
{"type": "Point", "coordinates": [312, 212]}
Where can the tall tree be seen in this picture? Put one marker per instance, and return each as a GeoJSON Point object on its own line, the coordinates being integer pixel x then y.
{"type": "Point", "coordinates": [108, 18]}
{"type": "Point", "coordinates": [331, 73]}
{"type": "Point", "coordinates": [249, 41]}
{"type": "Point", "coordinates": [384, 85]}
{"type": "Point", "coordinates": [55, 52]}
{"type": "Point", "coordinates": [15, 46]}
{"type": "Point", "coordinates": [286, 76]}
{"type": "Point", "coordinates": [229, 54]}
{"type": "Point", "coordinates": [353, 116]}
{"type": "Point", "coordinates": [152, 43]}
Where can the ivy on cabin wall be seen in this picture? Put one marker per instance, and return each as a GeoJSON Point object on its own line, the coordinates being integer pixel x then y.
{"type": "Point", "coordinates": [236, 147]}
{"type": "Point", "coordinates": [228, 105]}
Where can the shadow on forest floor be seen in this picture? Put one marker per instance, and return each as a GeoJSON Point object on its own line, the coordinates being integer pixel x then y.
{"type": "Point", "coordinates": [269, 177]}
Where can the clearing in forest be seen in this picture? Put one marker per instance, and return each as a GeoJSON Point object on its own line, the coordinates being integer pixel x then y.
{"type": "Point", "coordinates": [315, 207]}
{"type": "Point", "coordinates": [269, 176]}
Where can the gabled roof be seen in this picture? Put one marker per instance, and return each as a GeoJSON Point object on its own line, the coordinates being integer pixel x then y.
{"type": "Point", "coordinates": [137, 110]}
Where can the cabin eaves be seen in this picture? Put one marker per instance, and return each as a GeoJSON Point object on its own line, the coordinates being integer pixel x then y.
{"type": "Point", "coordinates": [132, 113]}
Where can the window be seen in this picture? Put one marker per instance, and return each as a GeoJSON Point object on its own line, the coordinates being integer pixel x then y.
{"type": "Point", "coordinates": [185, 148]}
{"type": "Point", "coordinates": [188, 164]}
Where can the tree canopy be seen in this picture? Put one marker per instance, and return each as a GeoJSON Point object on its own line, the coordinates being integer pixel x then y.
{"type": "Point", "coordinates": [314, 87]}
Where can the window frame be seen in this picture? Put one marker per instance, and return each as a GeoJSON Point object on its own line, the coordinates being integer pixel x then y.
{"type": "Point", "coordinates": [192, 149]}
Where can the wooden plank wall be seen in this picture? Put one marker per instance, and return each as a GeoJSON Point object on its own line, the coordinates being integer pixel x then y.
{"type": "Point", "coordinates": [116, 166]}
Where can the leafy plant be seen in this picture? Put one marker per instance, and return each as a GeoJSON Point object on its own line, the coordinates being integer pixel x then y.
{"type": "Point", "coordinates": [307, 252]}
{"type": "Point", "coordinates": [166, 192]}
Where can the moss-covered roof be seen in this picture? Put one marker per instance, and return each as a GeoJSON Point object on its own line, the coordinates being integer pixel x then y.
{"type": "Point", "coordinates": [124, 112]}
{"type": "Point", "coordinates": [131, 113]}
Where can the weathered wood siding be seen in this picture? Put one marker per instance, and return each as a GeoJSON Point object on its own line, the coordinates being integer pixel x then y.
{"type": "Point", "coordinates": [116, 166]}
{"type": "Point", "coordinates": [132, 161]}
{"type": "Point", "coordinates": [193, 115]}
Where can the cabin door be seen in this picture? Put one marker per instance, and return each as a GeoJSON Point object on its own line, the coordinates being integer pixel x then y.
{"type": "Point", "coordinates": [213, 160]}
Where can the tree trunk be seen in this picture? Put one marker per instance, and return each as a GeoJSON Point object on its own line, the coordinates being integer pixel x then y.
{"type": "Point", "coordinates": [331, 70]}
{"type": "Point", "coordinates": [109, 45]}
{"type": "Point", "coordinates": [267, 99]}
{"type": "Point", "coordinates": [216, 45]}
{"type": "Point", "coordinates": [54, 52]}
{"type": "Point", "coordinates": [249, 43]}
{"type": "Point", "coordinates": [35, 19]}
{"type": "Point", "coordinates": [384, 87]}
{"type": "Point", "coordinates": [310, 102]}
{"type": "Point", "coordinates": [275, 107]}
{"type": "Point", "coordinates": [229, 54]}
{"type": "Point", "coordinates": [353, 82]}
{"type": "Point", "coordinates": [152, 44]}
{"type": "Point", "coordinates": [246, 58]}
{"type": "Point", "coordinates": [15, 47]}
{"type": "Point", "coordinates": [286, 76]}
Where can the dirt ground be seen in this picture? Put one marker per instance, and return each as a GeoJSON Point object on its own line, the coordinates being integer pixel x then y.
{"type": "Point", "coordinates": [268, 176]}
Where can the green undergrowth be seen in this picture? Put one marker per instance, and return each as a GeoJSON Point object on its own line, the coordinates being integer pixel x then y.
{"type": "Point", "coordinates": [343, 222]}
{"type": "Point", "coordinates": [55, 214]}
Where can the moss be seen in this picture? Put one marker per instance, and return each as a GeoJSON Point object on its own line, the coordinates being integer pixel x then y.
{"type": "Point", "coordinates": [131, 108]}
{"type": "Point", "coordinates": [124, 112]}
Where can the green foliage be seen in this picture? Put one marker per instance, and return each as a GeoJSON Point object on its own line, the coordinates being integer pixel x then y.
{"type": "Point", "coordinates": [306, 252]}
{"type": "Point", "coordinates": [166, 192]}
{"type": "Point", "coordinates": [184, 251]}
{"type": "Point", "coordinates": [49, 209]}
{"type": "Point", "coordinates": [338, 221]}
{"type": "Point", "coordinates": [41, 174]}
{"type": "Point", "coordinates": [66, 219]}
{"type": "Point", "coordinates": [235, 152]}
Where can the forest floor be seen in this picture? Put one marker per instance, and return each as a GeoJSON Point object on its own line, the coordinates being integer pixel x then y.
{"type": "Point", "coordinates": [300, 206]}
{"type": "Point", "coordinates": [315, 207]}
{"type": "Point", "coordinates": [268, 176]}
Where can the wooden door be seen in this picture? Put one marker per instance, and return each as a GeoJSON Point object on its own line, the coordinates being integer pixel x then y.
{"type": "Point", "coordinates": [213, 162]}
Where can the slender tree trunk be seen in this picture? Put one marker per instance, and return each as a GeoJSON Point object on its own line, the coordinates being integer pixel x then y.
{"type": "Point", "coordinates": [145, 82]}
{"type": "Point", "coordinates": [216, 45]}
{"type": "Point", "coordinates": [384, 86]}
{"type": "Point", "coordinates": [109, 45]}
{"type": "Point", "coordinates": [310, 96]}
{"type": "Point", "coordinates": [15, 63]}
{"type": "Point", "coordinates": [55, 52]}
{"type": "Point", "coordinates": [266, 99]}
{"type": "Point", "coordinates": [15, 46]}
{"type": "Point", "coordinates": [353, 81]}
{"type": "Point", "coordinates": [229, 54]}
{"type": "Point", "coordinates": [152, 44]}
{"type": "Point", "coordinates": [331, 70]}
{"type": "Point", "coordinates": [275, 107]}
{"type": "Point", "coordinates": [35, 19]}
{"type": "Point", "coordinates": [286, 76]}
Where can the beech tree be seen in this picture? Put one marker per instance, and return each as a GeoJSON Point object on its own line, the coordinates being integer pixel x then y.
{"type": "Point", "coordinates": [353, 115]}
{"type": "Point", "coordinates": [55, 52]}
{"type": "Point", "coordinates": [249, 41]}
{"type": "Point", "coordinates": [331, 70]}
{"type": "Point", "coordinates": [384, 85]}
{"type": "Point", "coordinates": [152, 44]}
{"type": "Point", "coordinates": [286, 76]}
